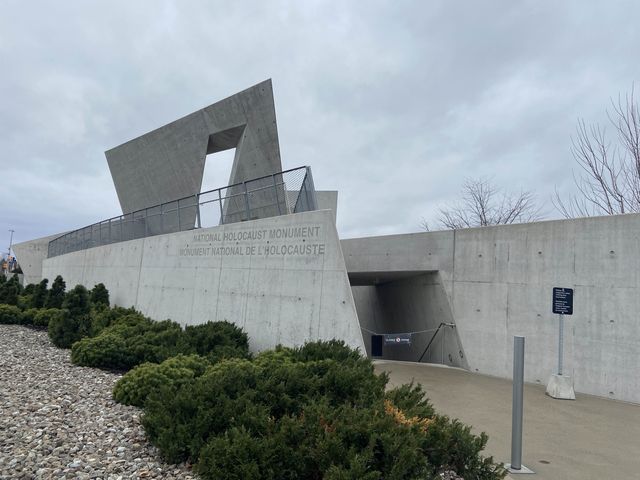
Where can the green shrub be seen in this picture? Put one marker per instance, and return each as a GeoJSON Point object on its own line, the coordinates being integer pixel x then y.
{"type": "Point", "coordinates": [10, 314]}
{"type": "Point", "coordinates": [132, 340]}
{"type": "Point", "coordinates": [24, 301]}
{"type": "Point", "coordinates": [136, 385]}
{"type": "Point", "coordinates": [410, 398]}
{"type": "Point", "coordinates": [39, 296]}
{"type": "Point", "coordinates": [315, 412]}
{"type": "Point", "coordinates": [324, 442]}
{"type": "Point", "coordinates": [29, 289]}
{"type": "Point", "coordinates": [220, 339]}
{"type": "Point", "coordinates": [76, 301]}
{"type": "Point", "coordinates": [66, 329]}
{"type": "Point", "coordinates": [99, 296]}
{"type": "Point", "coordinates": [107, 350]}
{"type": "Point", "coordinates": [322, 350]}
{"type": "Point", "coordinates": [102, 318]}
{"type": "Point", "coordinates": [75, 323]}
{"type": "Point", "coordinates": [10, 290]}
{"type": "Point", "coordinates": [45, 315]}
{"type": "Point", "coordinates": [55, 297]}
{"type": "Point", "coordinates": [28, 316]}
{"type": "Point", "coordinates": [225, 392]}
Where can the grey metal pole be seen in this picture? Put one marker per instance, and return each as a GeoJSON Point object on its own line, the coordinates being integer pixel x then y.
{"type": "Point", "coordinates": [11, 241]}
{"type": "Point", "coordinates": [560, 344]}
{"type": "Point", "coordinates": [516, 419]}
{"type": "Point", "coordinates": [246, 201]}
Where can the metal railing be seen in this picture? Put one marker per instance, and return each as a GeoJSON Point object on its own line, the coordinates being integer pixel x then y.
{"type": "Point", "coordinates": [290, 191]}
{"type": "Point", "coordinates": [442, 324]}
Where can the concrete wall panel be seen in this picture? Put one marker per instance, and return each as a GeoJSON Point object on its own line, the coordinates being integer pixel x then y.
{"type": "Point", "coordinates": [30, 256]}
{"type": "Point", "coordinates": [252, 274]}
{"type": "Point", "coordinates": [499, 281]}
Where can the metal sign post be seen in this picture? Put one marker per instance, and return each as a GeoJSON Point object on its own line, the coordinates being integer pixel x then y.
{"type": "Point", "coordinates": [560, 343]}
{"type": "Point", "coordinates": [561, 386]}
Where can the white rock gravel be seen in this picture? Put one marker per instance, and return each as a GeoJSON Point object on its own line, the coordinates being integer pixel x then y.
{"type": "Point", "coordinates": [59, 421]}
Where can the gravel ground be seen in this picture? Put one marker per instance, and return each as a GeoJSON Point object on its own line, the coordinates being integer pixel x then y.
{"type": "Point", "coordinates": [58, 420]}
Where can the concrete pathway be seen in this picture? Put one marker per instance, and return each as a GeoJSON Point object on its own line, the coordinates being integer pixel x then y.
{"type": "Point", "coordinates": [589, 438]}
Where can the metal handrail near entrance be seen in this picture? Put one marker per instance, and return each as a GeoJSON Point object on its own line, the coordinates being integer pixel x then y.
{"type": "Point", "coordinates": [289, 191]}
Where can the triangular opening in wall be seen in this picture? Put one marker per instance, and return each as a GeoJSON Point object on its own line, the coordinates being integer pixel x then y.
{"type": "Point", "coordinates": [217, 170]}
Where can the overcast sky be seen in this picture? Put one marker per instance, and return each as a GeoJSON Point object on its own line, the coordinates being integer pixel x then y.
{"type": "Point", "coordinates": [392, 103]}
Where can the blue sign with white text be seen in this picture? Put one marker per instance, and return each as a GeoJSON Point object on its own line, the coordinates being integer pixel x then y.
{"type": "Point", "coordinates": [563, 301]}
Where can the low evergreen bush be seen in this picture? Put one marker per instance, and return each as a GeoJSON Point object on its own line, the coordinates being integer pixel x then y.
{"type": "Point", "coordinates": [10, 314]}
{"type": "Point", "coordinates": [55, 296]}
{"type": "Point", "coordinates": [10, 290]}
{"type": "Point", "coordinates": [130, 341]}
{"type": "Point", "coordinates": [133, 339]}
{"type": "Point", "coordinates": [137, 384]}
{"type": "Point", "coordinates": [322, 350]}
{"type": "Point", "coordinates": [39, 296]}
{"type": "Point", "coordinates": [102, 318]}
{"type": "Point", "coordinates": [66, 329]}
{"type": "Point", "coordinates": [76, 301]}
{"type": "Point", "coordinates": [24, 301]}
{"type": "Point", "coordinates": [217, 339]}
{"type": "Point", "coordinates": [28, 316]}
{"type": "Point", "coordinates": [319, 411]}
{"type": "Point", "coordinates": [99, 296]}
{"type": "Point", "coordinates": [44, 315]}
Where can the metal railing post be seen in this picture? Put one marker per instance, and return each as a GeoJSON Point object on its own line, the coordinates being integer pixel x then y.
{"type": "Point", "coordinates": [198, 219]}
{"type": "Point", "coordinates": [275, 187]}
{"type": "Point", "coordinates": [178, 210]}
{"type": "Point", "coordinates": [220, 205]}
{"type": "Point", "coordinates": [246, 200]}
{"type": "Point", "coordinates": [310, 186]}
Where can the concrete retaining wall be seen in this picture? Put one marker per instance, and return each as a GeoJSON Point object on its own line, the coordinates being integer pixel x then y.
{"type": "Point", "coordinates": [30, 256]}
{"type": "Point", "coordinates": [499, 282]}
{"type": "Point", "coordinates": [247, 273]}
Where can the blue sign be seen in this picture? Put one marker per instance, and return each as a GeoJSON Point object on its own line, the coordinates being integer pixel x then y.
{"type": "Point", "coordinates": [397, 339]}
{"type": "Point", "coordinates": [562, 301]}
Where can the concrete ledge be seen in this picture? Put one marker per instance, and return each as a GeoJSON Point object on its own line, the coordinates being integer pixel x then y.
{"type": "Point", "coordinates": [520, 471]}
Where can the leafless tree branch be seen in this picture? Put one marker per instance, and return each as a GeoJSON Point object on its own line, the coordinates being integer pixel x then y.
{"type": "Point", "coordinates": [482, 204]}
{"type": "Point", "coordinates": [609, 177]}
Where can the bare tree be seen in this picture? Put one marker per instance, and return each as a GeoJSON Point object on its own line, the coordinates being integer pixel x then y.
{"type": "Point", "coordinates": [484, 204]}
{"type": "Point", "coordinates": [609, 178]}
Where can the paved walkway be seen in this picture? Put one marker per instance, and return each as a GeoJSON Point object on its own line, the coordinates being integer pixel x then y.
{"type": "Point", "coordinates": [589, 438]}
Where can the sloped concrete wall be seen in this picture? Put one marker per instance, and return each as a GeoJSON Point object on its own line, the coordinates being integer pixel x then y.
{"type": "Point", "coordinates": [499, 282]}
{"type": "Point", "coordinates": [30, 256]}
{"type": "Point", "coordinates": [282, 279]}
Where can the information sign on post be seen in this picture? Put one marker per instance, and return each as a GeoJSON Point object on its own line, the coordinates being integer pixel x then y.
{"type": "Point", "coordinates": [562, 304]}
{"type": "Point", "coordinates": [563, 301]}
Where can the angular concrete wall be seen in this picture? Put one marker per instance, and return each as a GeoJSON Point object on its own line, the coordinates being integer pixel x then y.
{"type": "Point", "coordinates": [168, 163]}
{"type": "Point", "coordinates": [499, 282]}
{"type": "Point", "coordinates": [282, 279]}
{"type": "Point", "coordinates": [30, 256]}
